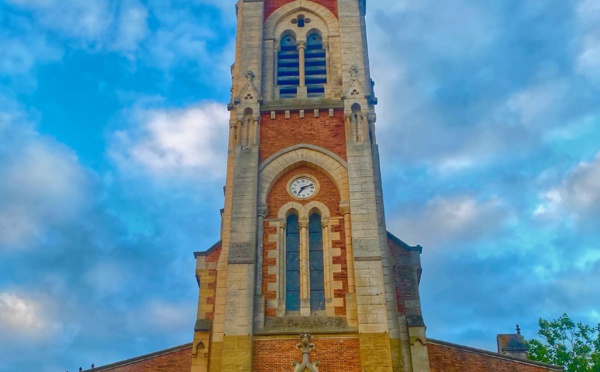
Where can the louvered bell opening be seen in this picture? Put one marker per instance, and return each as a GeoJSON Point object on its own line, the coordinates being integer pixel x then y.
{"type": "Point", "coordinates": [288, 68]}
{"type": "Point", "coordinates": [315, 66]}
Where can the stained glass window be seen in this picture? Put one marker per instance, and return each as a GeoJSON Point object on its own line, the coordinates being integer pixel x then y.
{"type": "Point", "coordinates": [292, 264]}
{"type": "Point", "coordinates": [317, 287]}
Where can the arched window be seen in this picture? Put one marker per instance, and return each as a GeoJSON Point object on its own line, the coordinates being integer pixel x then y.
{"type": "Point", "coordinates": [315, 66]}
{"type": "Point", "coordinates": [315, 243]}
{"type": "Point", "coordinates": [288, 67]}
{"type": "Point", "coordinates": [292, 264]}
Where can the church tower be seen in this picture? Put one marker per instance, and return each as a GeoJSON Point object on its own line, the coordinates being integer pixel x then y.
{"type": "Point", "coordinates": [306, 276]}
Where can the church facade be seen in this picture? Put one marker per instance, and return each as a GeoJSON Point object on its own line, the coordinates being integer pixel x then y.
{"type": "Point", "coordinates": [306, 276]}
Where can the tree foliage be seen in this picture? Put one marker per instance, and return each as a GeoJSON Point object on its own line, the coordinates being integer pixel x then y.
{"type": "Point", "coordinates": [576, 346]}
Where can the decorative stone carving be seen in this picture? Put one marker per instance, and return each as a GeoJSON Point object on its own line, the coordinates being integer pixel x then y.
{"type": "Point", "coordinates": [306, 346]}
{"type": "Point", "coordinates": [354, 72]}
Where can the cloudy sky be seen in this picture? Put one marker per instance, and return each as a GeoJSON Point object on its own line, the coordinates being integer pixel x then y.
{"type": "Point", "coordinates": [112, 156]}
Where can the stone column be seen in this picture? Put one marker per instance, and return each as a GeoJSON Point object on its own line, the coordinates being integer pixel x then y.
{"type": "Point", "coordinates": [304, 269]}
{"type": "Point", "coordinates": [238, 133]}
{"type": "Point", "coordinates": [275, 68]}
{"type": "Point", "coordinates": [256, 133]}
{"type": "Point", "coordinates": [345, 209]}
{"type": "Point", "coordinates": [302, 91]}
{"type": "Point", "coordinates": [327, 275]}
{"type": "Point", "coordinates": [259, 302]}
{"type": "Point", "coordinates": [302, 67]}
{"type": "Point", "coordinates": [328, 68]}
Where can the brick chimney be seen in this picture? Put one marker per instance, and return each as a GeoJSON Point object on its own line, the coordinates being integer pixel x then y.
{"type": "Point", "coordinates": [512, 345]}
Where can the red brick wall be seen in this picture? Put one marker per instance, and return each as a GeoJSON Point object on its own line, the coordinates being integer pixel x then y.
{"type": "Point", "coordinates": [335, 355]}
{"type": "Point", "coordinates": [272, 5]}
{"type": "Point", "coordinates": [448, 359]}
{"type": "Point", "coordinates": [328, 194]}
{"type": "Point", "coordinates": [324, 131]}
{"type": "Point", "coordinates": [405, 279]}
{"type": "Point", "coordinates": [176, 361]}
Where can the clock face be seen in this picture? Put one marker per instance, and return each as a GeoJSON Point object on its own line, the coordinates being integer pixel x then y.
{"type": "Point", "coordinates": [303, 187]}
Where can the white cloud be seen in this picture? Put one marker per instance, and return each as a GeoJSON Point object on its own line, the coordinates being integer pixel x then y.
{"type": "Point", "coordinates": [107, 278]}
{"type": "Point", "coordinates": [578, 194]}
{"type": "Point", "coordinates": [588, 12]}
{"type": "Point", "coordinates": [117, 25]}
{"type": "Point", "coordinates": [20, 54]}
{"type": "Point", "coordinates": [581, 189]}
{"type": "Point", "coordinates": [185, 142]}
{"type": "Point", "coordinates": [588, 59]}
{"type": "Point", "coordinates": [132, 26]}
{"type": "Point", "coordinates": [445, 221]}
{"type": "Point", "coordinates": [169, 316]}
{"type": "Point", "coordinates": [20, 314]}
{"type": "Point", "coordinates": [82, 19]}
{"type": "Point", "coordinates": [42, 183]}
{"type": "Point", "coordinates": [182, 41]}
{"type": "Point", "coordinates": [537, 103]}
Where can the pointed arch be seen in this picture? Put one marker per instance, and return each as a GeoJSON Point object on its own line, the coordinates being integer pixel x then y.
{"type": "Point", "coordinates": [326, 15]}
{"type": "Point", "coordinates": [314, 157]}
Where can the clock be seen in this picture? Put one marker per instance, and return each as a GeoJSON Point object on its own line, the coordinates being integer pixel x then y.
{"type": "Point", "coordinates": [303, 187]}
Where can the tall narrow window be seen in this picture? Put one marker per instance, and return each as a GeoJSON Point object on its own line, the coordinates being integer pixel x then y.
{"type": "Point", "coordinates": [315, 66]}
{"type": "Point", "coordinates": [317, 287]}
{"type": "Point", "coordinates": [288, 67]}
{"type": "Point", "coordinates": [292, 264]}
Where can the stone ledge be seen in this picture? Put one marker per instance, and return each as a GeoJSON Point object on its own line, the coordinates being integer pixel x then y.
{"type": "Point", "coordinates": [301, 104]}
{"type": "Point", "coordinates": [308, 324]}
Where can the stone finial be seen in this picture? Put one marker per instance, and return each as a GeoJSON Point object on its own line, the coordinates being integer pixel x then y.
{"type": "Point", "coordinates": [518, 330]}
{"type": "Point", "coordinates": [306, 365]}
{"type": "Point", "coordinates": [250, 75]}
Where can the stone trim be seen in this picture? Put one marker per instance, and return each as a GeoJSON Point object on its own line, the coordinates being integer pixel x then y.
{"type": "Point", "coordinates": [210, 250]}
{"type": "Point", "coordinates": [404, 245]}
{"type": "Point", "coordinates": [302, 146]}
{"type": "Point", "coordinates": [108, 367]}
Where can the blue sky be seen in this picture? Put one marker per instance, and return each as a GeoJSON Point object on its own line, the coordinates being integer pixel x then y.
{"type": "Point", "coordinates": [112, 161]}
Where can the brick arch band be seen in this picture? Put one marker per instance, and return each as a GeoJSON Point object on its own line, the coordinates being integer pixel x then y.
{"type": "Point", "coordinates": [330, 164]}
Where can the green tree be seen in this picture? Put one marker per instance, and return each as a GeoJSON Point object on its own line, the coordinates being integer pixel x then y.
{"type": "Point", "coordinates": [576, 346]}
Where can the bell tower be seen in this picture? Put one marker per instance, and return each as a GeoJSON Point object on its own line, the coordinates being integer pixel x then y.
{"type": "Point", "coordinates": [305, 276]}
